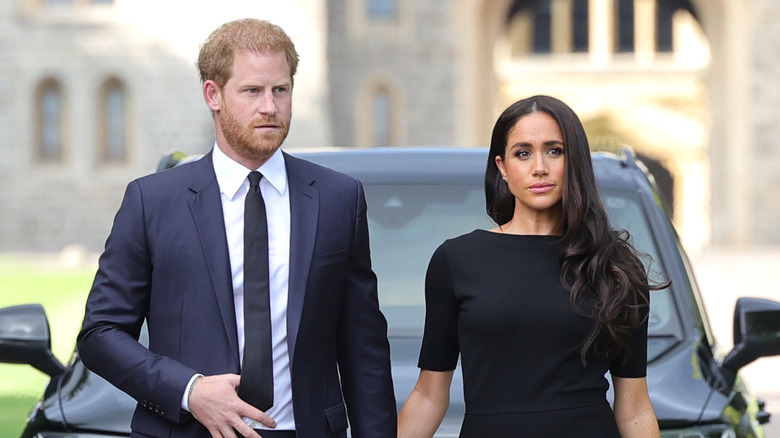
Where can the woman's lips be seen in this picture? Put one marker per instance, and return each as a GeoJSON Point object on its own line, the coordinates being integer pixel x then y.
{"type": "Point", "coordinates": [541, 187]}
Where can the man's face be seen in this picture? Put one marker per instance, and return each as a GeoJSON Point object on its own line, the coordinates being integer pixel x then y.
{"type": "Point", "coordinates": [256, 105]}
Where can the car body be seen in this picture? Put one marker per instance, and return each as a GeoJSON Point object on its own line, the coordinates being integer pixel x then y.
{"type": "Point", "coordinates": [417, 198]}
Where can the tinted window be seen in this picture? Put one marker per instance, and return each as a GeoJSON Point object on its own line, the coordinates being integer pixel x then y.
{"type": "Point", "coordinates": [625, 212]}
{"type": "Point", "coordinates": [409, 221]}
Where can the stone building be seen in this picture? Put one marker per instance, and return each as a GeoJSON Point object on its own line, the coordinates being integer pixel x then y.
{"type": "Point", "coordinates": [640, 73]}
{"type": "Point", "coordinates": [95, 91]}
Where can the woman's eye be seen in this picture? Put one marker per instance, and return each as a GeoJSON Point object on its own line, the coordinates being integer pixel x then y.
{"type": "Point", "coordinates": [556, 151]}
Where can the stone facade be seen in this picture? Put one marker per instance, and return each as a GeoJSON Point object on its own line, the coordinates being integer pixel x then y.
{"type": "Point", "coordinates": [48, 206]}
{"type": "Point", "coordinates": [706, 112]}
{"type": "Point", "coordinates": [412, 55]}
{"type": "Point", "coordinates": [442, 63]}
{"type": "Point", "coordinates": [760, 181]}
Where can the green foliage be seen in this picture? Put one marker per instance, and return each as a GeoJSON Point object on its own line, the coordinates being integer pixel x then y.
{"type": "Point", "coordinates": [62, 292]}
{"type": "Point", "coordinates": [13, 413]}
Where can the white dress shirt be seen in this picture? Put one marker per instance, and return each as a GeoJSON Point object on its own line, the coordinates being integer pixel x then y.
{"type": "Point", "coordinates": [233, 187]}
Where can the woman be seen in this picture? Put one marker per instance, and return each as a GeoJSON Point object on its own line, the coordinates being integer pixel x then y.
{"type": "Point", "coordinates": [540, 307]}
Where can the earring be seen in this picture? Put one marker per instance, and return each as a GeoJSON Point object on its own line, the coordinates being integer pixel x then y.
{"type": "Point", "coordinates": [504, 178]}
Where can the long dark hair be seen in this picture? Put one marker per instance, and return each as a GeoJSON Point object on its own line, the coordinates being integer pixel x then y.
{"type": "Point", "coordinates": [604, 274]}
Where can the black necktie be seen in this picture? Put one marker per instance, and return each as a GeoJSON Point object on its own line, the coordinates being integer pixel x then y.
{"type": "Point", "coordinates": [257, 371]}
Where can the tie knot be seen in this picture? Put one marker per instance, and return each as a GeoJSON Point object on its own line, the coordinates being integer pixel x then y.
{"type": "Point", "coordinates": [254, 178]}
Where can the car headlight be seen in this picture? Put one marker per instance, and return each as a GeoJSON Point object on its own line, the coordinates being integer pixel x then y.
{"type": "Point", "coordinates": [708, 431]}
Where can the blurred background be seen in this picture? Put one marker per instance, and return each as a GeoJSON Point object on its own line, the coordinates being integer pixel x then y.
{"type": "Point", "coordinates": [95, 92]}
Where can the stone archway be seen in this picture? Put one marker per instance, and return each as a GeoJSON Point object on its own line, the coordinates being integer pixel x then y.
{"type": "Point", "coordinates": [687, 144]}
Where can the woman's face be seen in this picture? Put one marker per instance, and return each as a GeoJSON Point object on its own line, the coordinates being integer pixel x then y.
{"type": "Point", "coordinates": [533, 165]}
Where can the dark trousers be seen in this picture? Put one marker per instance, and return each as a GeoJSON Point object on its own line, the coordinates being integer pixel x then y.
{"type": "Point", "coordinates": [276, 433]}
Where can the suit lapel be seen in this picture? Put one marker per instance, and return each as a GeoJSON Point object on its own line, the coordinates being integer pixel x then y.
{"type": "Point", "coordinates": [304, 211]}
{"type": "Point", "coordinates": [206, 207]}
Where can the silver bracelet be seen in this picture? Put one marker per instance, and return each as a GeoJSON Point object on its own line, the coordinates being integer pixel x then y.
{"type": "Point", "coordinates": [189, 393]}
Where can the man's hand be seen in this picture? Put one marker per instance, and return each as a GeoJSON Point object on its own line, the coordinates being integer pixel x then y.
{"type": "Point", "coordinates": [215, 403]}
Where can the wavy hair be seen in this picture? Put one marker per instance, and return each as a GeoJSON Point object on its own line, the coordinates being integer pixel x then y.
{"type": "Point", "coordinates": [604, 274]}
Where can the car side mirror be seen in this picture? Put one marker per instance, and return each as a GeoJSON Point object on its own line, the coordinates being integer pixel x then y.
{"type": "Point", "coordinates": [756, 332]}
{"type": "Point", "coordinates": [25, 339]}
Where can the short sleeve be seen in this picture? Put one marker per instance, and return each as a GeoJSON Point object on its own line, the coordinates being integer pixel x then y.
{"type": "Point", "coordinates": [440, 348]}
{"type": "Point", "coordinates": [636, 366]}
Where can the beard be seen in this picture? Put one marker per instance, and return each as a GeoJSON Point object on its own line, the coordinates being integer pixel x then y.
{"type": "Point", "coordinates": [245, 140]}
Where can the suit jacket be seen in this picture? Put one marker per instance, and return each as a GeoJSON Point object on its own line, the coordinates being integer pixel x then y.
{"type": "Point", "coordinates": [166, 262]}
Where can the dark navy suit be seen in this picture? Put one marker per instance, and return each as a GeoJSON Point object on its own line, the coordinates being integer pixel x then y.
{"type": "Point", "coordinates": [166, 261]}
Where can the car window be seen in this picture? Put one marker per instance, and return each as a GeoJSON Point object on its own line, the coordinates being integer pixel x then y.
{"type": "Point", "coordinates": [407, 222]}
{"type": "Point", "coordinates": [664, 327]}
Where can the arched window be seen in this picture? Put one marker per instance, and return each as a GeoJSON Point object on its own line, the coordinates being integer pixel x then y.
{"type": "Point", "coordinates": [382, 120]}
{"type": "Point", "coordinates": [542, 28]}
{"type": "Point", "coordinates": [665, 15]}
{"type": "Point", "coordinates": [113, 122]}
{"type": "Point", "coordinates": [580, 26]}
{"type": "Point", "coordinates": [625, 26]}
{"type": "Point", "coordinates": [49, 120]}
{"type": "Point", "coordinates": [564, 26]}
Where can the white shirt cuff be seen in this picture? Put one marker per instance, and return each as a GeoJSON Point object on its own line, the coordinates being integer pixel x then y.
{"type": "Point", "coordinates": [185, 399]}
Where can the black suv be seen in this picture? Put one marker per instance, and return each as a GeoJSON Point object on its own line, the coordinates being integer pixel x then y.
{"type": "Point", "coordinates": [417, 198]}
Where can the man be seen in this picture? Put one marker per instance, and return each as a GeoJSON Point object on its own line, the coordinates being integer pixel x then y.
{"type": "Point", "coordinates": [175, 259]}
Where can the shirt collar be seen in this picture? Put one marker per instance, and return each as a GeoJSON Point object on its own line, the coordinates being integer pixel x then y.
{"type": "Point", "coordinates": [232, 175]}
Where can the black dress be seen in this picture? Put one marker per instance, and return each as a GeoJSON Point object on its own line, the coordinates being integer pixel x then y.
{"type": "Point", "coordinates": [497, 301]}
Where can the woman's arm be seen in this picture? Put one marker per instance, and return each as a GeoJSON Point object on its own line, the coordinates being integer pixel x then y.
{"type": "Point", "coordinates": [424, 410]}
{"type": "Point", "coordinates": [633, 411]}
